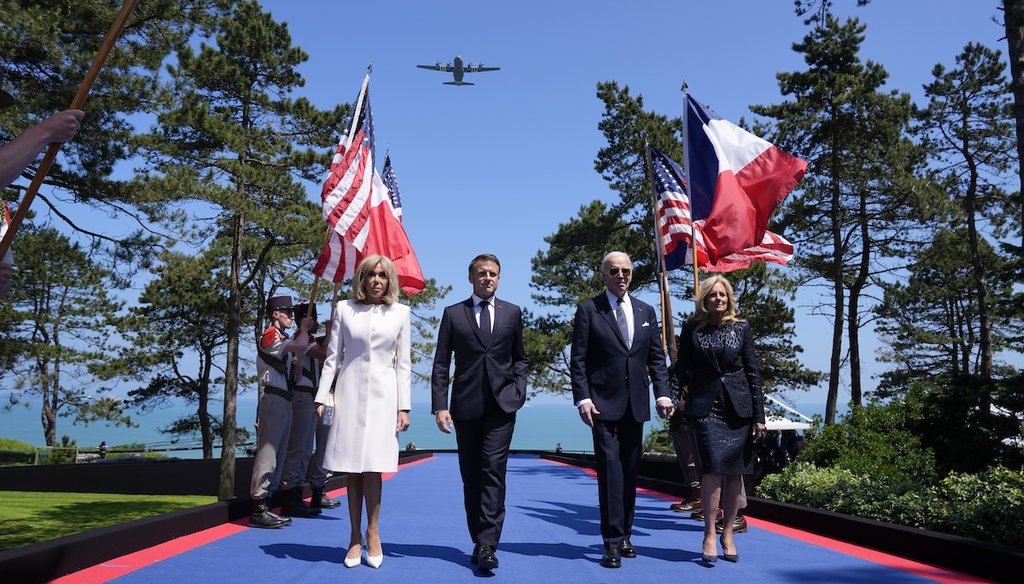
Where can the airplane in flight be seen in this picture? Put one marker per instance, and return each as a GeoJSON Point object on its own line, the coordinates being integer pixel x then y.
{"type": "Point", "coordinates": [458, 68]}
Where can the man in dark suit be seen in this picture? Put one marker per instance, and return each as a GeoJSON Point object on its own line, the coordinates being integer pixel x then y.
{"type": "Point", "coordinates": [486, 336]}
{"type": "Point", "coordinates": [616, 354]}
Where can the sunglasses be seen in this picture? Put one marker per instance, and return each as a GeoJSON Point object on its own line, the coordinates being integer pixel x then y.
{"type": "Point", "coordinates": [615, 271]}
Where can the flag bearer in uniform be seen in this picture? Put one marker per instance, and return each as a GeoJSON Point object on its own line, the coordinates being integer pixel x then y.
{"type": "Point", "coordinates": [305, 375]}
{"type": "Point", "coordinates": [316, 474]}
{"type": "Point", "coordinates": [275, 409]}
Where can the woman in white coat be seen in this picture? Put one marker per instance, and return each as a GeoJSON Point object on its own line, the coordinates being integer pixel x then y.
{"type": "Point", "coordinates": [369, 353]}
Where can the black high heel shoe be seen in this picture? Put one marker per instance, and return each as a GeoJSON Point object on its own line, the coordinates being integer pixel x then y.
{"type": "Point", "coordinates": [709, 559]}
{"type": "Point", "coordinates": [734, 558]}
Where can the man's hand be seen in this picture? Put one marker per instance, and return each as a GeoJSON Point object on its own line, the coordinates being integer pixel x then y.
{"type": "Point", "coordinates": [587, 413]}
{"type": "Point", "coordinates": [444, 421]}
{"type": "Point", "coordinates": [665, 408]}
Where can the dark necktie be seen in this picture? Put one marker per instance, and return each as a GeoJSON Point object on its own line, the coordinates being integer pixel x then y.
{"type": "Point", "coordinates": [620, 316]}
{"type": "Point", "coordinates": [485, 322]}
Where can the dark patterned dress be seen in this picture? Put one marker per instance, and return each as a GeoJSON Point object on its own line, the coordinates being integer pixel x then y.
{"type": "Point", "coordinates": [722, 438]}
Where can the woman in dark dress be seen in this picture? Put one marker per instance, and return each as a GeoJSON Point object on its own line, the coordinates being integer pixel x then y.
{"type": "Point", "coordinates": [724, 406]}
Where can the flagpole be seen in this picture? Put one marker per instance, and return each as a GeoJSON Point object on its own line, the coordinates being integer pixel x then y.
{"type": "Point", "coordinates": [76, 103]}
{"type": "Point", "coordinates": [668, 333]}
{"type": "Point", "coordinates": [348, 144]}
{"type": "Point", "coordinates": [689, 188]}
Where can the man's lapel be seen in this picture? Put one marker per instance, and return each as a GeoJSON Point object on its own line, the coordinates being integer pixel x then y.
{"type": "Point", "coordinates": [471, 319]}
{"type": "Point", "coordinates": [608, 312]}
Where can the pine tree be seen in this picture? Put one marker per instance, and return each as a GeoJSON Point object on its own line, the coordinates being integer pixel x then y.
{"type": "Point", "coordinates": [230, 136]}
{"type": "Point", "coordinates": [859, 203]}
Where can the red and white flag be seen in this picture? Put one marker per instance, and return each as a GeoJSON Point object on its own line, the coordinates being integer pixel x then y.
{"type": "Point", "coordinates": [736, 180]}
{"type": "Point", "coordinates": [8, 256]}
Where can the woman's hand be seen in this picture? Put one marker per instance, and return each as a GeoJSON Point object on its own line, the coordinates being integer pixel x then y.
{"type": "Point", "coordinates": [320, 411]}
{"type": "Point", "coordinates": [403, 421]}
{"type": "Point", "coordinates": [758, 431]}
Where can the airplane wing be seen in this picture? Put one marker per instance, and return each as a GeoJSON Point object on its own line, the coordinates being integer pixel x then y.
{"type": "Point", "coordinates": [479, 69]}
{"type": "Point", "coordinates": [437, 67]}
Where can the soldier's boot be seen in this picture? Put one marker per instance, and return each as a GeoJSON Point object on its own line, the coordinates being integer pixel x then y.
{"type": "Point", "coordinates": [262, 517]}
{"type": "Point", "coordinates": [320, 500]}
{"type": "Point", "coordinates": [294, 506]}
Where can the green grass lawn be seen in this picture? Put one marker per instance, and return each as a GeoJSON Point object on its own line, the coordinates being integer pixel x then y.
{"type": "Point", "coordinates": [32, 517]}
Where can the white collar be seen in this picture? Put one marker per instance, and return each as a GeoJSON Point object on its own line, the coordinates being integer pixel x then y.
{"type": "Point", "coordinates": [613, 300]}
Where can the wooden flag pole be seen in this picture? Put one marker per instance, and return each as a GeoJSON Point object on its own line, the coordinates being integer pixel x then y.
{"type": "Point", "coordinates": [76, 103]}
{"type": "Point", "coordinates": [348, 145]}
{"type": "Point", "coordinates": [668, 333]}
{"type": "Point", "coordinates": [689, 189]}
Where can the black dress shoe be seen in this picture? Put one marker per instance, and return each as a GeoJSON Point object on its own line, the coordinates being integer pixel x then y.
{"type": "Point", "coordinates": [739, 525]}
{"type": "Point", "coordinates": [475, 556]}
{"type": "Point", "coordinates": [611, 557]}
{"type": "Point", "coordinates": [626, 549]}
{"type": "Point", "coordinates": [487, 560]}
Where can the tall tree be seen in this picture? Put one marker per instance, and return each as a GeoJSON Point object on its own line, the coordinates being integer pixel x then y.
{"type": "Point", "coordinates": [59, 319]}
{"type": "Point", "coordinates": [967, 129]}
{"type": "Point", "coordinates": [231, 137]}
{"type": "Point", "coordinates": [858, 203]}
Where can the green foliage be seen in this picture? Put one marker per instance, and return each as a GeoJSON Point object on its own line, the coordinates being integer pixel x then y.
{"type": "Point", "coordinates": [988, 506]}
{"type": "Point", "coordinates": [874, 441]}
{"type": "Point", "coordinates": [658, 438]}
{"type": "Point", "coordinates": [952, 419]}
{"type": "Point", "coordinates": [11, 444]}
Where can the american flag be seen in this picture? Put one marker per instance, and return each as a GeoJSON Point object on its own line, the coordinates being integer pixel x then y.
{"type": "Point", "coordinates": [674, 224]}
{"type": "Point", "coordinates": [348, 188]}
{"type": "Point", "coordinates": [338, 259]}
{"type": "Point", "coordinates": [388, 177]}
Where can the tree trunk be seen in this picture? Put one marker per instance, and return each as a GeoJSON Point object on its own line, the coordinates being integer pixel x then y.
{"type": "Point", "coordinates": [204, 408]}
{"type": "Point", "coordinates": [838, 300]}
{"type": "Point", "coordinates": [228, 442]}
{"type": "Point", "coordinates": [856, 287]}
{"type": "Point", "coordinates": [981, 285]}
{"type": "Point", "coordinates": [1013, 15]}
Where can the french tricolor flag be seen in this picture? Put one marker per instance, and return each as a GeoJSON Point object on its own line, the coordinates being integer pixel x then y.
{"type": "Point", "coordinates": [736, 180]}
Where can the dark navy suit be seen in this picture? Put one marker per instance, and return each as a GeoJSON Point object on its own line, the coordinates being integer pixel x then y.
{"type": "Point", "coordinates": [488, 388]}
{"type": "Point", "coordinates": [617, 379]}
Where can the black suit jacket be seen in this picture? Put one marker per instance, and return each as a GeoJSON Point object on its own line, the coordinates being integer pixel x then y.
{"type": "Point", "coordinates": [735, 370]}
{"type": "Point", "coordinates": [608, 372]}
{"type": "Point", "coordinates": [502, 362]}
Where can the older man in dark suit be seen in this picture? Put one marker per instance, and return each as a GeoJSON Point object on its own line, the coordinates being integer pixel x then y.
{"type": "Point", "coordinates": [486, 336]}
{"type": "Point", "coordinates": [616, 354]}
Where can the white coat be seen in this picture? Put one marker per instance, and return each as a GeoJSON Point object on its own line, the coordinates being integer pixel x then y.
{"type": "Point", "coordinates": [369, 352]}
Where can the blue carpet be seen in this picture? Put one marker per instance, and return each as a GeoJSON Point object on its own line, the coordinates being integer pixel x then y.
{"type": "Point", "coordinates": [551, 535]}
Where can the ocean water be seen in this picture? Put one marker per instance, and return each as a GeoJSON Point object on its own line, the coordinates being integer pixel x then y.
{"type": "Point", "coordinates": [545, 421]}
{"type": "Point", "coordinates": [539, 426]}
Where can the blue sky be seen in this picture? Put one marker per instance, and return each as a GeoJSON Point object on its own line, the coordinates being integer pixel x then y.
{"type": "Point", "coordinates": [497, 166]}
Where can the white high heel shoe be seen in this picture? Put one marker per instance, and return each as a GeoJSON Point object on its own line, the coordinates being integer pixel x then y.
{"type": "Point", "coordinates": [353, 562]}
{"type": "Point", "coordinates": [373, 561]}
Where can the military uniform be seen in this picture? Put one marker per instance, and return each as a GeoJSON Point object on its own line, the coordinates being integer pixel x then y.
{"type": "Point", "coordinates": [275, 417]}
{"type": "Point", "coordinates": [305, 375]}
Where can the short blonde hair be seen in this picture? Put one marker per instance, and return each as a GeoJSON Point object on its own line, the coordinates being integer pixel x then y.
{"type": "Point", "coordinates": [701, 316]}
{"type": "Point", "coordinates": [363, 273]}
